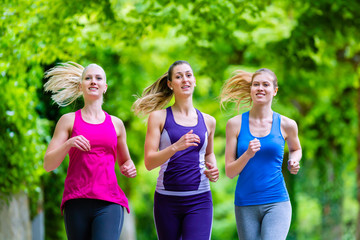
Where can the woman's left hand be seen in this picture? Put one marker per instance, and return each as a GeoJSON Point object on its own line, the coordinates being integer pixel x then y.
{"type": "Point", "coordinates": [212, 172]}
{"type": "Point", "coordinates": [128, 169]}
{"type": "Point", "coordinates": [293, 166]}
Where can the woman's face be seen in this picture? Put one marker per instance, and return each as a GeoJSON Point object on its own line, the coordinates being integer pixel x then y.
{"type": "Point", "coordinates": [93, 84]}
{"type": "Point", "coordinates": [262, 88]}
{"type": "Point", "coordinates": [183, 80]}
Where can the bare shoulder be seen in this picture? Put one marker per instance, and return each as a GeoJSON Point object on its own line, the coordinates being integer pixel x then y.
{"type": "Point", "coordinates": [234, 122]}
{"type": "Point", "coordinates": [118, 125]}
{"type": "Point", "coordinates": [117, 121]}
{"type": "Point", "coordinates": [67, 119]}
{"type": "Point", "coordinates": [68, 116]}
{"type": "Point", "coordinates": [210, 123]}
{"type": "Point", "coordinates": [233, 125]}
{"type": "Point", "coordinates": [288, 123]}
{"type": "Point", "coordinates": [158, 115]}
{"type": "Point", "coordinates": [209, 119]}
{"type": "Point", "coordinates": [157, 119]}
{"type": "Point", "coordinates": [288, 127]}
{"type": "Point", "coordinates": [65, 123]}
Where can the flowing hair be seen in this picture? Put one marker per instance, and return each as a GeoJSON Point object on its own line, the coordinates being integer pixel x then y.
{"type": "Point", "coordinates": [64, 82]}
{"type": "Point", "coordinates": [237, 88]}
{"type": "Point", "coordinates": [157, 95]}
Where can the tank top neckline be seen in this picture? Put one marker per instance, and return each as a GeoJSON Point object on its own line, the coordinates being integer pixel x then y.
{"type": "Point", "coordinates": [94, 124]}
{"type": "Point", "coordinates": [271, 129]}
{"type": "Point", "coordinates": [173, 119]}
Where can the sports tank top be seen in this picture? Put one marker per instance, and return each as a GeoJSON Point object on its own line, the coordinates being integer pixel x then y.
{"type": "Point", "coordinates": [92, 174]}
{"type": "Point", "coordinates": [183, 174]}
{"type": "Point", "coordinates": [261, 181]}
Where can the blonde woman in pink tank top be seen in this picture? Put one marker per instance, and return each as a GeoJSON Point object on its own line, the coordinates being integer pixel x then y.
{"type": "Point", "coordinates": [93, 203]}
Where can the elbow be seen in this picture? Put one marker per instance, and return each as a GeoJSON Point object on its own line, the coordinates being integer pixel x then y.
{"type": "Point", "coordinates": [148, 165]}
{"type": "Point", "coordinates": [47, 168]}
{"type": "Point", "coordinates": [229, 174]}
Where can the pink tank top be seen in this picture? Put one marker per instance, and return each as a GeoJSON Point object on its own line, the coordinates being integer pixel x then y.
{"type": "Point", "coordinates": [92, 174]}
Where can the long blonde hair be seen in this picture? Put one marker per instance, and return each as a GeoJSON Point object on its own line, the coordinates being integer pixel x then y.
{"type": "Point", "coordinates": [157, 95]}
{"type": "Point", "coordinates": [64, 82]}
{"type": "Point", "coordinates": [237, 88]}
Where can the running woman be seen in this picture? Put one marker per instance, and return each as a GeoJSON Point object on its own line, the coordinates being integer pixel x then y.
{"type": "Point", "coordinates": [93, 203]}
{"type": "Point", "coordinates": [179, 140]}
{"type": "Point", "coordinates": [254, 152]}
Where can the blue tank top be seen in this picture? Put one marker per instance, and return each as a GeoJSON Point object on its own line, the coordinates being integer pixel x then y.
{"type": "Point", "coordinates": [183, 174]}
{"type": "Point", "coordinates": [261, 181]}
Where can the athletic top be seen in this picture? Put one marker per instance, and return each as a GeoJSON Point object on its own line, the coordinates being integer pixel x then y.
{"type": "Point", "coordinates": [183, 174]}
{"type": "Point", "coordinates": [261, 181]}
{"type": "Point", "coordinates": [92, 174]}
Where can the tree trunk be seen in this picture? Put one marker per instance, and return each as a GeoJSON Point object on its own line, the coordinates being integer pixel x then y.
{"type": "Point", "coordinates": [129, 230]}
{"type": "Point", "coordinates": [15, 218]}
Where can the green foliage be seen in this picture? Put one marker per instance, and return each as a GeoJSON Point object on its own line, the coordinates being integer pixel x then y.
{"type": "Point", "coordinates": [23, 133]}
{"type": "Point", "coordinates": [312, 46]}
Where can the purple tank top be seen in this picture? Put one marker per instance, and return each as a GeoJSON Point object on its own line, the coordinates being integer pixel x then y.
{"type": "Point", "coordinates": [183, 174]}
{"type": "Point", "coordinates": [92, 174]}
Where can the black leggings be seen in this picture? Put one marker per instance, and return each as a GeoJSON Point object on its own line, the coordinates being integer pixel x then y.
{"type": "Point", "coordinates": [93, 219]}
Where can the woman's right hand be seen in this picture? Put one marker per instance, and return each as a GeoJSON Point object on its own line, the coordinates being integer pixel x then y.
{"type": "Point", "coordinates": [254, 146]}
{"type": "Point", "coordinates": [187, 140]}
{"type": "Point", "coordinates": [79, 142]}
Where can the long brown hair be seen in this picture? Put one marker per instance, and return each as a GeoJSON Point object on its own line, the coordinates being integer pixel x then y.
{"type": "Point", "coordinates": [157, 95]}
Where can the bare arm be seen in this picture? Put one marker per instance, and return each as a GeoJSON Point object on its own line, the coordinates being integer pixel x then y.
{"type": "Point", "coordinates": [155, 158]}
{"type": "Point", "coordinates": [290, 130]}
{"type": "Point", "coordinates": [127, 166]}
{"type": "Point", "coordinates": [233, 166]}
{"type": "Point", "coordinates": [60, 144]}
{"type": "Point", "coordinates": [212, 172]}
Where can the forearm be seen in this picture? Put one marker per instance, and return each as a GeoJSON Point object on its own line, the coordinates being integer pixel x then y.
{"type": "Point", "coordinates": [156, 159]}
{"type": "Point", "coordinates": [295, 155]}
{"type": "Point", "coordinates": [54, 158]}
{"type": "Point", "coordinates": [234, 168]}
{"type": "Point", "coordinates": [210, 158]}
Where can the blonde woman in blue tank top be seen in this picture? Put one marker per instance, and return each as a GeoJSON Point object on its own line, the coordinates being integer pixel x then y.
{"type": "Point", "coordinates": [255, 142]}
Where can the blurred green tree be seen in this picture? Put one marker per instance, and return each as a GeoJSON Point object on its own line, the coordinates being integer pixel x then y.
{"type": "Point", "coordinates": [311, 45]}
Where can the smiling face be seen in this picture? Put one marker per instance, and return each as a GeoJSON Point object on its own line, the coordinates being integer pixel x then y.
{"type": "Point", "coordinates": [182, 79]}
{"type": "Point", "coordinates": [263, 88]}
{"type": "Point", "coordinates": [93, 84]}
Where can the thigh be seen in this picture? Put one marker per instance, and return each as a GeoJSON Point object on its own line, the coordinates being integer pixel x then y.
{"type": "Point", "coordinates": [108, 221]}
{"type": "Point", "coordinates": [197, 221]}
{"type": "Point", "coordinates": [168, 217]}
{"type": "Point", "coordinates": [276, 221]}
{"type": "Point", "coordinates": [248, 221]}
{"type": "Point", "coordinates": [77, 218]}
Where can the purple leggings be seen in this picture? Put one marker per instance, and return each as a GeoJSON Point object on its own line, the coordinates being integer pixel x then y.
{"type": "Point", "coordinates": [183, 217]}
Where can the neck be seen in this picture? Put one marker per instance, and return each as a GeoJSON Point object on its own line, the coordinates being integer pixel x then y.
{"type": "Point", "coordinates": [93, 108]}
{"type": "Point", "coordinates": [184, 106]}
{"type": "Point", "coordinates": [261, 111]}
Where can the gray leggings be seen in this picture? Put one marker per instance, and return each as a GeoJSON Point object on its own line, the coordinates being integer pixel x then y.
{"type": "Point", "coordinates": [266, 222]}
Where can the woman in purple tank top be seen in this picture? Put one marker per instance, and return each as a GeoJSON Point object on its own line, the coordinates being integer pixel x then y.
{"type": "Point", "coordinates": [179, 140]}
{"type": "Point", "coordinates": [254, 152]}
{"type": "Point", "coordinates": [93, 203]}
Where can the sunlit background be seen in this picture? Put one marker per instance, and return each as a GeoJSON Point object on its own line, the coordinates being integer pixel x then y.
{"type": "Point", "coordinates": [312, 46]}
